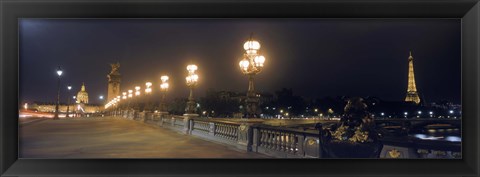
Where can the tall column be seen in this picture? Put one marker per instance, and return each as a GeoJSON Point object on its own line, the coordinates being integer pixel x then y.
{"type": "Point", "coordinates": [114, 79]}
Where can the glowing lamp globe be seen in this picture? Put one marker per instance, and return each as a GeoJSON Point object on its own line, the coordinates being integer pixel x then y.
{"type": "Point", "coordinates": [259, 60]}
{"type": "Point", "coordinates": [251, 45]}
{"type": "Point", "coordinates": [192, 68]}
{"type": "Point", "coordinates": [244, 64]}
{"type": "Point", "coordinates": [164, 78]}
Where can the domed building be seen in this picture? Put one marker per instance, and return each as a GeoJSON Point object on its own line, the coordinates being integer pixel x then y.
{"type": "Point", "coordinates": [82, 96]}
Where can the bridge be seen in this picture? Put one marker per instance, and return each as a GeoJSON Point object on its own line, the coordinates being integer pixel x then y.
{"type": "Point", "coordinates": [154, 135]}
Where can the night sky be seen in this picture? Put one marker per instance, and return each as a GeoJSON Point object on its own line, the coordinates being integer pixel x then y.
{"type": "Point", "coordinates": [314, 57]}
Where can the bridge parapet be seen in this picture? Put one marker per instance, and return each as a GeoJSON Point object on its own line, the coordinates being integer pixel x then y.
{"type": "Point", "coordinates": [278, 140]}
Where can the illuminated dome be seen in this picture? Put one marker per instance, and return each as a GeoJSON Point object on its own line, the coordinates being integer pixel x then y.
{"type": "Point", "coordinates": [82, 96]}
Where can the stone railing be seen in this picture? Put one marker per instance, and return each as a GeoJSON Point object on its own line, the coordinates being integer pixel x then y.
{"type": "Point", "coordinates": [246, 135]}
{"type": "Point", "coordinates": [177, 123]}
{"type": "Point", "coordinates": [222, 132]}
{"type": "Point", "coordinates": [414, 148]}
{"type": "Point", "coordinates": [282, 142]}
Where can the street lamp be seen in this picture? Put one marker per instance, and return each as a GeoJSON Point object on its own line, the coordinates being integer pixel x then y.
{"type": "Point", "coordinates": [68, 104]}
{"type": "Point", "coordinates": [163, 88]}
{"type": "Point", "coordinates": [250, 65]}
{"type": "Point", "coordinates": [137, 91]}
{"type": "Point", "coordinates": [59, 73]}
{"type": "Point", "coordinates": [130, 93]}
{"type": "Point", "coordinates": [148, 90]}
{"type": "Point", "coordinates": [191, 81]}
{"type": "Point", "coordinates": [75, 101]}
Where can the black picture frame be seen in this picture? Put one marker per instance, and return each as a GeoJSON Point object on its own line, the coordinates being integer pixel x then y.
{"type": "Point", "coordinates": [11, 11]}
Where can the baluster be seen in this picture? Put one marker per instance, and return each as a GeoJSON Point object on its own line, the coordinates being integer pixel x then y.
{"type": "Point", "coordinates": [292, 143]}
{"type": "Point", "coordinates": [284, 142]}
{"type": "Point", "coordinates": [288, 142]}
{"type": "Point", "coordinates": [262, 137]}
{"type": "Point", "coordinates": [279, 139]}
{"type": "Point", "coordinates": [274, 142]}
{"type": "Point", "coordinates": [269, 139]}
{"type": "Point", "coordinates": [272, 134]}
{"type": "Point", "coordinates": [265, 138]}
{"type": "Point", "coordinates": [235, 132]}
{"type": "Point", "coordinates": [222, 130]}
{"type": "Point", "coordinates": [229, 132]}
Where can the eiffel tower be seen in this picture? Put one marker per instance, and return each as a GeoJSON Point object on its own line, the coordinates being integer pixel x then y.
{"type": "Point", "coordinates": [412, 94]}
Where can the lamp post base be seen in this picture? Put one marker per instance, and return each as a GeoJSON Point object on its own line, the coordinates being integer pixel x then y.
{"type": "Point", "coordinates": [252, 107]}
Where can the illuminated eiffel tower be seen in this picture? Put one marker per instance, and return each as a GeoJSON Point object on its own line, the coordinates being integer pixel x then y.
{"type": "Point", "coordinates": [412, 94]}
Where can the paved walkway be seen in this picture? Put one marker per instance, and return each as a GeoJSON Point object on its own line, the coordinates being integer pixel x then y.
{"type": "Point", "coordinates": [115, 138]}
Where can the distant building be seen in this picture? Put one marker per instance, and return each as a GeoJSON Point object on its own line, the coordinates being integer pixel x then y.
{"type": "Point", "coordinates": [81, 105]}
{"type": "Point", "coordinates": [62, 108]}
{"type": "Point", "coordinates": [82, 96]}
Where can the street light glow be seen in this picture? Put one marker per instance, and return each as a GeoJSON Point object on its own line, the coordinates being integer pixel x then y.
{"type": "Point", "coordinates": [59, 71]}
{"type": "Point", "coordinates": [148, 89]}
{"type": "Point", "coordinates": [251, 45]}
{"type": "Point", "coordinates": [137, 90]}
{"type": "Point", "coordinates": [192, 68]}
{"type": "Point", "coordinates": [164, 78]}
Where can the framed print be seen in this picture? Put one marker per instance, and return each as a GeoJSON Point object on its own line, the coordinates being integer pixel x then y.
{"type": "Point", "coordinates": [248, 88]}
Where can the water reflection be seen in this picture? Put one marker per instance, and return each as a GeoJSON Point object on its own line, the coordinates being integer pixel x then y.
{"type": "Point", "coordinates": [438, 134]}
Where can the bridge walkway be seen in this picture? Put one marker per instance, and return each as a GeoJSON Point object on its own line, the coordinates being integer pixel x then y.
{"type": "Point", "coordinates": [115, 138]}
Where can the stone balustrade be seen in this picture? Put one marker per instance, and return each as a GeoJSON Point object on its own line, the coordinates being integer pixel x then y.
{"type": "Point", "coordinates": [278, 141]}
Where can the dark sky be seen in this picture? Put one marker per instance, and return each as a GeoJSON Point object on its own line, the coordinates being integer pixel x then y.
{"type": "Point", "coordinates": [314, 57]}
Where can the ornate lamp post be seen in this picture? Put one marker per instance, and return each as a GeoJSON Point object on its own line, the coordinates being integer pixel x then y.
{"type": "Point", "coordinates": [250, 65]}
{"type": "Point", "coordinates": [118, 104]}
{"type": "Point", "coordinates": [137, 91]}
{"type": "Point", "coordinates": [129, 96]}
{"type": "Point", "coordinates": [191, 80]}
{"type": "Point", "coordinates": [137, 95]}
{"type": "Point", "coordinates": [124, 97]}
{"type": "Point", "coordinates": [59, 73]}
{"type": "Point", "coordinates": [75, 101]}
{"type": "Point", "coordinates": [163, 88]}
{"type": "Point", "coordinates": [68, 104]}
{"type": "Point", "coordinates": [148, 90]}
